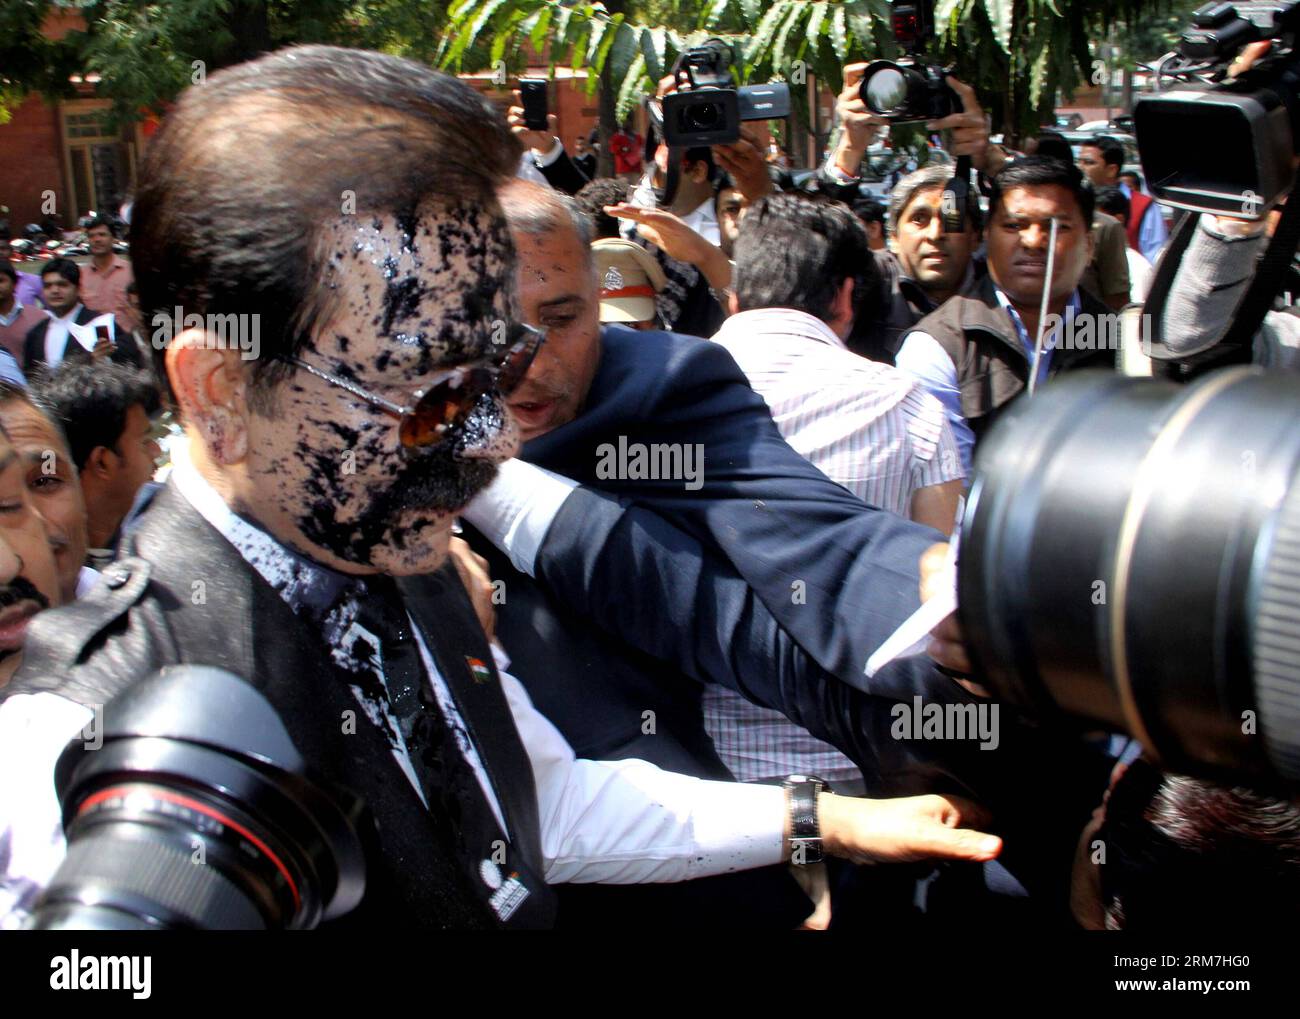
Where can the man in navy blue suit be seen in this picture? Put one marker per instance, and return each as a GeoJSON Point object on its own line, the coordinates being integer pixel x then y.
{"type": "Point", "coordinates": [838, 575]}
{"type": "Point", "coordinates": [739, 563]}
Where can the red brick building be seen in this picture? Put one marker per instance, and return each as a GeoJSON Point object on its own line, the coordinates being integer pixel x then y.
{"type": "Point", "coordinates": [60, 155]}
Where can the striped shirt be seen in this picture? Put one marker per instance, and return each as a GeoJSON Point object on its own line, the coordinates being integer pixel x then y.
{"type": "Point", "coordinates": [867, 426]}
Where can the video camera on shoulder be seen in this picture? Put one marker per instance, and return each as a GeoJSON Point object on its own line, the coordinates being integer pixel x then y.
{"type": "Point", "coordinates": [707, 108]}
{"type": "Point", "coordinates": [910, 89]}
{"type": "Point", "coordinates": [1218, 144]}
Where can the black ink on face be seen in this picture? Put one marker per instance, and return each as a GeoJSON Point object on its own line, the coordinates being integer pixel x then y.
{"type": "Point", "coordinates": [408, 310]}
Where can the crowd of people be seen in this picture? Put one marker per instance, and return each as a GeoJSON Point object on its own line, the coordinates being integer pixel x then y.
{"type": "Point", "coordinates": [603, 581]}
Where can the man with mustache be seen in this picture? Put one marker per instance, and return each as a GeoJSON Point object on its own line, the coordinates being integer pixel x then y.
{"type": "Point", "coordinates": [302, 542]}
{"type": "Point", "coordinates": [977, 351]}
{"type": "Point", "coordinates": [28, 581]}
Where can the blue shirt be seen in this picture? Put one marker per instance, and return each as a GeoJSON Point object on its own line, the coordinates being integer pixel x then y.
{"type": "Point", "coordinates": [1152, 233]}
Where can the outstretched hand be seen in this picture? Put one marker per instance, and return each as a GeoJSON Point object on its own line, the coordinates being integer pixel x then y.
{"type": "Point", "coordinates": [904, 829]}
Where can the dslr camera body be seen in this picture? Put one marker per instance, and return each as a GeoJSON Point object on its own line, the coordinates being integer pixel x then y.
{"type": "Point", "coordinates": [910, 89]}
{"type": "Point", "coordinates": [1219, 144]}
{"type": "Point", "coordinates": [707, 108]}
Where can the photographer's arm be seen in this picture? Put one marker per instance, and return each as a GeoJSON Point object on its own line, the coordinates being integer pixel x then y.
{"type": "Point", "coordinates": [547, 151]}
{"type": "Point", "coordinates": [675, 239]}
{"type": "Point", "coordinates": [1216, 269]}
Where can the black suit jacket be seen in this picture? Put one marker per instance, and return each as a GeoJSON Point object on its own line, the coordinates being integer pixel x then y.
{"type": "Point", "coordinates": [146, 613]}
{"type": "Point", "coordinates": [564, 175]}
{"type": "Point", "coordinates": [125, 352]}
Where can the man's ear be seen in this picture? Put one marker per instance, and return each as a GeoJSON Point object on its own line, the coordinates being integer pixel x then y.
{"type": "Point", "coordinates": [102, 463]}
{"type": "Point", "coordinates": [843, 305]}
{"type": "Point", "coordinates": [211, 391]}
{"type": "Point", "coordinates": [733, 303]}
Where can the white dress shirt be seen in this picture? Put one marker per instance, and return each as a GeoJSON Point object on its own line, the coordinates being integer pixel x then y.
{"type": "Point", "coordinates": [619, 822]}
{"type": "Point", "coordinates": [703, 219]}
{"type": "Point", "coordinates": [57, 336]}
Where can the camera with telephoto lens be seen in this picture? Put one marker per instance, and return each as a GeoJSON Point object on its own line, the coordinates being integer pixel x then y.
{"type": "Point", "coordinates": [1130, 560]}
{"type": "Point", "coordinates": [910, 89]}
{"type": "Point", "coordinates": [194, 810]}
{"type": "Point", "coordinates": [1219, 144]}
{"type": "Point", "coordinates": [707, 108]}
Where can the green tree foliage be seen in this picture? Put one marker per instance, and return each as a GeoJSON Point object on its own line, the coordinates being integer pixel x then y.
{"type": "Point", "coordinates": [1018, 53]}
{"type": "Point", "coordinates": [145, 51]}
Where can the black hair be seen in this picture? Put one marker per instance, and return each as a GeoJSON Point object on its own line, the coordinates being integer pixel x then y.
{"type": "Point", "coordinates": [1054, 146]}
{"type": "Point", "coordinates": [869, 210]}
{"type": "Point", "coordinates": [924, 180]}
{"type": "Point", "coordinates": [703, 154]}
{"type": "Point", "coordinates": [90, 401]}
{"type": "Point", "coordinates": [592, 199]}
{"type": "Point", "coordinates": [8, 270]}
{"type": "Point", "coordinates": [1042, 171]}
{"type": "Point", "coordinates": [1113, 200]}
{"type": "Point", "coordinates": [1112, 152]}
{"type": "Point", "coordinates": [104, 221]}
{"type": "Point", "coordinates": [794, 251]}
{"type": "Point", "coordinates": [239, 183]}
{"type": "Point", "coordinates": [65, 267]}
{"type": "Point", "coordinates": [1185, 852]}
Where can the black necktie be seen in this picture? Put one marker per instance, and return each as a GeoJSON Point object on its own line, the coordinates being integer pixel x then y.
{"type": "Point", "coordinates": [447, 780]}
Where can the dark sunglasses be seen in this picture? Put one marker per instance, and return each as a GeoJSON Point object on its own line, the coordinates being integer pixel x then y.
{"type": "Point", "coordinates": [449, 398]}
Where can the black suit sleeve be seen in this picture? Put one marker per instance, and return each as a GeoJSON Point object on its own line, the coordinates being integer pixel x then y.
{"type": "Point", "coordinates": [823, 183]}
{"type": "Point", "coordinates": [564, 175]}
{"type": "Point", "coordinates": [127, 351]}
{"type": "Point", "coordinates": [33, 348]}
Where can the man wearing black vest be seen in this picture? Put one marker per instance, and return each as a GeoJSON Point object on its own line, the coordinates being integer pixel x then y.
{"type": "Point", "coordinates": [302, 541]}
{"type": "Point", "coordinates": [975, 352]}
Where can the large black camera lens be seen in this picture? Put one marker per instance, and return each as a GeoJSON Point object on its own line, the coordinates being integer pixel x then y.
{"type": "Point", "coordinates": [886, 90]}
{"type": "Point", "coordinates": [1130, 558]}
{"type": "Point", "coordinates": [702, 117]}
{"type": "Point", "coordinates": [906, 91]}
{"type": "Point", "coordinates": [706, 116]}
{"type": "Point", "coordinates": [195, 813]}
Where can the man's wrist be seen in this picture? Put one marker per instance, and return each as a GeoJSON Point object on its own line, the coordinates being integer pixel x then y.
{"type": "Point", "coordinates": [803, 829]}
{"type": "Point", "coordinates": [847, 160]}
{"type": "Point", "coordinates": [717, 270]}
{"type": "Point", "coordinates": [829, 818]}
{"type": "Point", "coordinates": [1229, 228]}
{"type": "Point", "coordinates": [548, 155]}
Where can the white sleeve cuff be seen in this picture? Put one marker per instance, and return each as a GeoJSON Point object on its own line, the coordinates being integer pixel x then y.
{"type": "Point", "coordinates": [518, 508]}
{"type": "Point", "coordinates": [834, 170]}
{"type": "Point", "coordinates": [557, 147]}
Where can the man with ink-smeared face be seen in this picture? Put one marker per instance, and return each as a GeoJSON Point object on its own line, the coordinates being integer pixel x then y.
{"type": "Point", "coordinates": [410, 297]}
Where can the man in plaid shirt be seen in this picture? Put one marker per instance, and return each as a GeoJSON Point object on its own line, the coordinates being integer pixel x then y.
{"type": "Point", "coordinates": [803, 274]}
